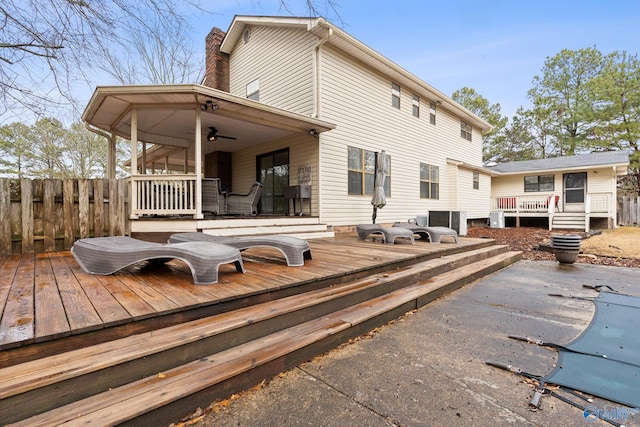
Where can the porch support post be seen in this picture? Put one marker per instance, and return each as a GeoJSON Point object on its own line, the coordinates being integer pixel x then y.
{"type": "Point", "coordinates": [134, 163]}
{"type": "Point", "coordinates": [613, 199]}
{"type": "Point", "coordinates": [144, 158]}
{"type": "Point", "coordinates": [111, 157]}
{"type": "Point", "coordinates": [198, 165]}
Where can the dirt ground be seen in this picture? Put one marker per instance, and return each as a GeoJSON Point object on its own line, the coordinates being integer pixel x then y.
{"type": "Point", "coordinates": [619, 247]}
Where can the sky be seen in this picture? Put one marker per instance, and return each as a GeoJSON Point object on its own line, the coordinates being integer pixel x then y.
{"type": "Point", "coordinates": [495, 47]}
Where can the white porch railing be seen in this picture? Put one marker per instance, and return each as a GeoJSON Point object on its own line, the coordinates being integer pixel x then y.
{"type": "Point", "coordinates": [602, 202]}
{"type": "Point", "coordinates": [163, 195]}
{"type": "Point", "coordinates": [521, 204]}
{"type": "Point", "coordinates": [598, 203]}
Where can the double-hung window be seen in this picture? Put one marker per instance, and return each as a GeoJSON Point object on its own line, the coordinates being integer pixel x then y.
{"type": "Point", "coordinates": [253, 90]}
{"type": "Point", "coordinates": [476, 180]}
{"type": "Point", "coordinates": [362, 166]}
{"type": "Point", "coordinates": [416, 106]}
{"type": "Point", "coordinates": [536, 183]}
{"type": "Point", "coordinates": [395, 95]}
{"type": "Point", "coordinates": [466, 130]}
{"type": "Point", "coordinates": [429, 181]}
{"type": "Point", "coordinates": [432, 113]}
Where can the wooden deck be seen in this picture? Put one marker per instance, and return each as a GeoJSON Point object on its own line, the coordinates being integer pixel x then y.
{"type": "Point", "coordinates": [49, 305]}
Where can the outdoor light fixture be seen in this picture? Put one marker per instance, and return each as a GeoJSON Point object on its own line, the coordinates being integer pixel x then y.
{"type": "Point", "coordinates": [209, 104]}
{"type": "Point", "coordinates": [314, 132]}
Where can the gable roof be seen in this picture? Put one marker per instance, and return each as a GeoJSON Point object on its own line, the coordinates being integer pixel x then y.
{"type": "Point", "coordinates": [599, 159]}
{"type": "Point", "coordinates": [338, 38]}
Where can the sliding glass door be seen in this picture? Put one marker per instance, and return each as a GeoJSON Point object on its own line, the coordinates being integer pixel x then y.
{"type": "Point", "coordinates": [272, 170]}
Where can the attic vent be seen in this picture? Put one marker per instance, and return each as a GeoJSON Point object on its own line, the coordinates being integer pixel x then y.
{"type": "Point", "coordinates": [245, 35]}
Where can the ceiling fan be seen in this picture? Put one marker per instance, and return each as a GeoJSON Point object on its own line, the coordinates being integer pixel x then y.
{"type": "Point", "coordinates": [213, 135]}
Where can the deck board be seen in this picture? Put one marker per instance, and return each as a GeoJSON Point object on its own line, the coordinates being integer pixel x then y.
{"type": "Point", "coordinates": [8, 267]}
{"type": "Point", "coordinates": [48, 296]}
{"type": "Point", "coordinates": [82, 315]}
{"type": "Point", "coordinates": [150, 294]}
{"type": "Point", "coordinates": [18, 319]}
{"type": "Point", "coordinates": [52, 320]}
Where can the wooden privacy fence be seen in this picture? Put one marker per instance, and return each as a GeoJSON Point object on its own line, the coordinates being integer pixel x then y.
{"type": "Point", "coordinates": [46, 215]}
{"type": "Point", "coordinates": [629, 211]}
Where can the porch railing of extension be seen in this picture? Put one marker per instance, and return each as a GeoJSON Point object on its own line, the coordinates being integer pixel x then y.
{"type": "Point", "coordinates": [594, 202]}
{"type": "Point", "coordinates": [163, 194]}
{"type": "Point", "coordinates": [550, 204]}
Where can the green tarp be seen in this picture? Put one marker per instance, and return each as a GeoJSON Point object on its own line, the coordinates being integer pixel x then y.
{"type": "Point", "coordinates": [605, 359]}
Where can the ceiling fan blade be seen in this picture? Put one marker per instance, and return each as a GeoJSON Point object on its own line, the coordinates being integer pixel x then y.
{"type": "Point", "coordinates": [226, 137]}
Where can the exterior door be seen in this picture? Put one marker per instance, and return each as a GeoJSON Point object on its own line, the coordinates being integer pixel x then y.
{"type": "Point", "coordinates": [575, 190]}
{"type": "Point", "coordinates": [272, 170]}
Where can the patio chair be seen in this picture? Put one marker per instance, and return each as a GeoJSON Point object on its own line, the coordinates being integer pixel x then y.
{"type": "Point", "coordinates": [213, 198]}
{"type": "Point", "coordinates": [245, 204]}
{"type": "Point", "coordinates": [295, 250]}
{"type": "Point", "coordinates": [434, 234]}
{"type": "Point", "coordinates": [106, 255]}
{"type": "Point", "coordinates": [389, 235]}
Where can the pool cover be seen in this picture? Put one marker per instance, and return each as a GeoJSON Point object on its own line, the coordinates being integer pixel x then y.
{"type": "Point", "coordinates": [605, 359]}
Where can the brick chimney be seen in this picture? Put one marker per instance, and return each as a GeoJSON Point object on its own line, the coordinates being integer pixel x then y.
{"type": "Point", "coordinates": [216, 62]}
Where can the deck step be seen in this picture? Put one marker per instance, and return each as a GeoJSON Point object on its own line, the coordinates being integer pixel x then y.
{"type": "Point", "coordinates": [569, 221]}
{"type": "Point", "coordinates": [309, 229]}
{"type": "Point", "coordinates": [298, 226]}
{"type": "Point", "coordinates": [189, 365]}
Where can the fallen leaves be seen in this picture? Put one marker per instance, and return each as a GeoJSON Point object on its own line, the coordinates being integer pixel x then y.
{"type": "Point", "coordinates": [529, 239]}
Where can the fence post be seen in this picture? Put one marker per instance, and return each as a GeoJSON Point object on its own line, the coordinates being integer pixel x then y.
{"type": "Point", "coordinates": [98, 207]}
{"type": "Point", "coordinates": [68, 213]}
{"type": "Point", "coordinates": [84, 224]}
{"type": "Point", "coordinates": [26, 199]}
{"type": "Point", "coordinates": [49, 215]}
{"type": "Point", "coordinates": [5, 214]}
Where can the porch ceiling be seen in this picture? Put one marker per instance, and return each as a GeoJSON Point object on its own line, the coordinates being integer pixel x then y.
{"type": "Point", "coordinates": [167, 117]}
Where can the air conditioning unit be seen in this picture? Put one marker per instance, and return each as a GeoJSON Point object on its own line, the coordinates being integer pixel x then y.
{"type": "Point", "coordinates": [456, 220]}
{"type": "Point", "coordinates": [496, 219]}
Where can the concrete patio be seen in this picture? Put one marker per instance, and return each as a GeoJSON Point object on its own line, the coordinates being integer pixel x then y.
{"type": "Point", "coordinates": [429, 368]}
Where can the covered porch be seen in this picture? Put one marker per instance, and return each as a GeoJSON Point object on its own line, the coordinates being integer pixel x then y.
{"type": "Point", "coordinates": [192, 146]}
{"type": "Point", "coordinates": [555, 208]}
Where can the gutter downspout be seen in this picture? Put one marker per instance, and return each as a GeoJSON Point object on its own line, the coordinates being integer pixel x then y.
{"type": "Point", "coordinates": [111, 149]}
{"type": "Point", "coordinates": [316, 74]}
{"type": "Point", "coordinates": [316, 112]}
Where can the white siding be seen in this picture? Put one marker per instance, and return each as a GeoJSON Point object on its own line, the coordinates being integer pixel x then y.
{"type": "Point", "coordinates": [601, 181]}
{"type": "Point", "coordinates": [359, 101]}
{"type": "Point", "coordinates": [513, 185]}
{"type": "Point", "coordinates": [598, 181]}
{"type": "Point", "coordinates": [303, 151]}
{"type": "Point", "coordinates": [477, 203]}
{"type": "Point", "coordinates": [282, 59]}
{"type": "Point", "coordinates": [452, 190]}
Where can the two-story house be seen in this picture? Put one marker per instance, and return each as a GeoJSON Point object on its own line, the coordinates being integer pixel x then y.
{"type": "Point", "coordinates": [297, 101]}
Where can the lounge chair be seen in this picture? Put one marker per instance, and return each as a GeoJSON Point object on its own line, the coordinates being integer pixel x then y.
{"type": "Point", "coordinates": [244, 204]}
{"type": "Point", "coordinates": [389, 235]}
{"type": "Point", "coordinates": [434, 234]}
{"type": "Point", "coordinates": [295, 250]}
{"type": "Point", "coordinates": [106, 255]}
